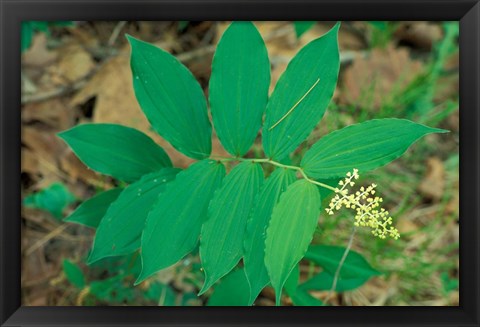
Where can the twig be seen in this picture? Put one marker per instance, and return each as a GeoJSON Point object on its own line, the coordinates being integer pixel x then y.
{"type": "Point", "coordinates": [42, 96]}
{"type": "Point", "coordinates": [82, 295]}
{"type": "Point", "coordinates": [57, 231]}
{"type": "Point", "coordinates": [340, 264]}
{"type": "Point", "coordinates": [116, 32]}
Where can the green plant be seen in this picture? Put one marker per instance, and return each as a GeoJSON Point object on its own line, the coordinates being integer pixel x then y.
{"type": "Point", "coordinates": [381, 33]}
{"type": "Point", "coordinates": [29, 28]}
{"type": "Point", "coordinates": [269, 224]}
{"type": "Point", "coordinates": [302, 27]}
{"type": "Point", "coordinates": [54, 199]}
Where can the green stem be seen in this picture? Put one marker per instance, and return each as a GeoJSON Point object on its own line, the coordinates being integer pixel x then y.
{"type": "Point", "coordinates": [278, 164]}
{"type": "Point", "coordinates": [340, 265]}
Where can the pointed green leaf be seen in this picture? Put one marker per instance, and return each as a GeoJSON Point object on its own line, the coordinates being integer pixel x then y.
{"type": "Point", "coordinates": [119, 231]}
{"type": "Point", "coordinates": [239, 86]}
{"type": "Point", "coordinates": [291, 228]}
{"type": "Point", "coordinates": [302, 26]}
{"type": "Point", "coordinates": [119, 151]}
{"type": "Point", "coordinates": [254, 259]}
{"type": "Point", "coordinates": [232, 290]}
{"type": "Point", "coordinates": [301, 96]}
{"type": "Point", "coordinates": [74, 274]}
{"type": "Point", "coordinates": [221, 245]}
{"type": "Point", "coordinates": [173, 226]}
{"type": "Point", "coordinates": [91, 211]}
{"type": "Point", "coordinates": [363, 146]}
{"type": "Point", "coordinates": [171, 98]}
{"type": "Point", "coordinates": [328, 257]}
{"type": "Point", "coordinates": [324, 282]}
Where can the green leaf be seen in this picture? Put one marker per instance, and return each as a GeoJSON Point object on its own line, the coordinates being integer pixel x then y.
{"type": "Point", "coordinates": [324, 282]}
{"type": "Point", "coordinates": [119, 151]}
{"type": "Point", "coordinates": [303, 298]}
{"type": "Point", "coordinates": [232, 290]}
{"type": "Point", "coordinates": [239, 86]}
{"type": "Point", "coordinates": [182, 25]}
{"type": "Point", "coordinates": [162, 294]}
{"type": "Point", "coordinates": [26, 35]}
{"type": "Point", "coordinates": [301, 96]}
{"type": "Point", "coordinates": [112, 290]}
{"type": "Point", "coordinates": [119, 231]}
{"type": "Point", "coordinates": [291, 228]}
{"type": "Point", "coordinates": [380, 25]}
{"type": "Point", "coordinates": [90, 212]}
{"type": "Point", "coordinates": [53, 199]}
{"type": "Point", "coordinates": [74, 274]}
{"type": "Point", "coordinates": [363, 146]}
{"type": "Point", "coordinates": [254, 258]}
{"type": "Point", "coordinates": [328, 257]}
{"type": "Point", "coordinates": [173, 226]}
{"type": "Point", "coordinates": [291, 283]}
{"type": "Point", "coordinates": [325, 192]}
{"type": "Point", "coordinates": [221, 245]}
{"type": "Point", "coordinates": [298, 295]}
{"type": "Point", "coordinates": [171, 98]}
{"type": "Point", "coordinates": [302, 26]}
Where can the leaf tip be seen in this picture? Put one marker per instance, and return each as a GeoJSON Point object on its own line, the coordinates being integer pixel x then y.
{"type": "Point", "coordinates": [140, 279]}
{"type": "Point", "coordinates": [206, 286]}
{"type": "Point", "coordinates": [63, 134]}
{"type": "Point", "coordinates": [144, 273]}
{"type": "Point", "coordinates": [94, 257]}
{"type": "Point", "coordinates": [130, 38]}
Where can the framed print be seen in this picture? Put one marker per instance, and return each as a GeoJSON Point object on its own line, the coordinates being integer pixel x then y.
{"type": "Point", "coordinates": [239, 163]}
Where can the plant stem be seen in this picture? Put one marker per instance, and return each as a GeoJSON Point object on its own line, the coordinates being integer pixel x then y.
{"type": "Point", "coordinates": [278, 164]}
{"type": "Point", "coordinates": [340, 264]}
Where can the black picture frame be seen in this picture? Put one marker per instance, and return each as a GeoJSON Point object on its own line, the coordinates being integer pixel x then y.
{"type": "Point", "coordinates": [15, 11]}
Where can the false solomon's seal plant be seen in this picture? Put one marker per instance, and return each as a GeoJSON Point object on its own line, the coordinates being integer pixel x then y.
{"type": "Point", "coordinates": [265, 222]}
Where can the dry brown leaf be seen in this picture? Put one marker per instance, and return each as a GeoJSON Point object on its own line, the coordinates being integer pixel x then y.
{"type": "Point", "coordinates": [369, 81]}
{"type": "Point", "coordinates": [39, 158]}
{"type": "Point", "coordinates": [38, 54]}
{"type": "Point", "coordinates": [55, 113]}
{"type": "Point", "coordinates": [420, 34]}
{"type": "Point", "coordinates": [433, 183]}
{"type": "Point", "coordinates": [74, 63]}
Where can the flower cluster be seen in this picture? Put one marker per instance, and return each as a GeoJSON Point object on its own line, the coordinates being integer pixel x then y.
{"type": "Point", "coordinates": [366, 205]}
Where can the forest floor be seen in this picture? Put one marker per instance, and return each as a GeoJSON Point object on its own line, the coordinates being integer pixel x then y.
{"type": "Point", "coordinates": [81, 73]}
